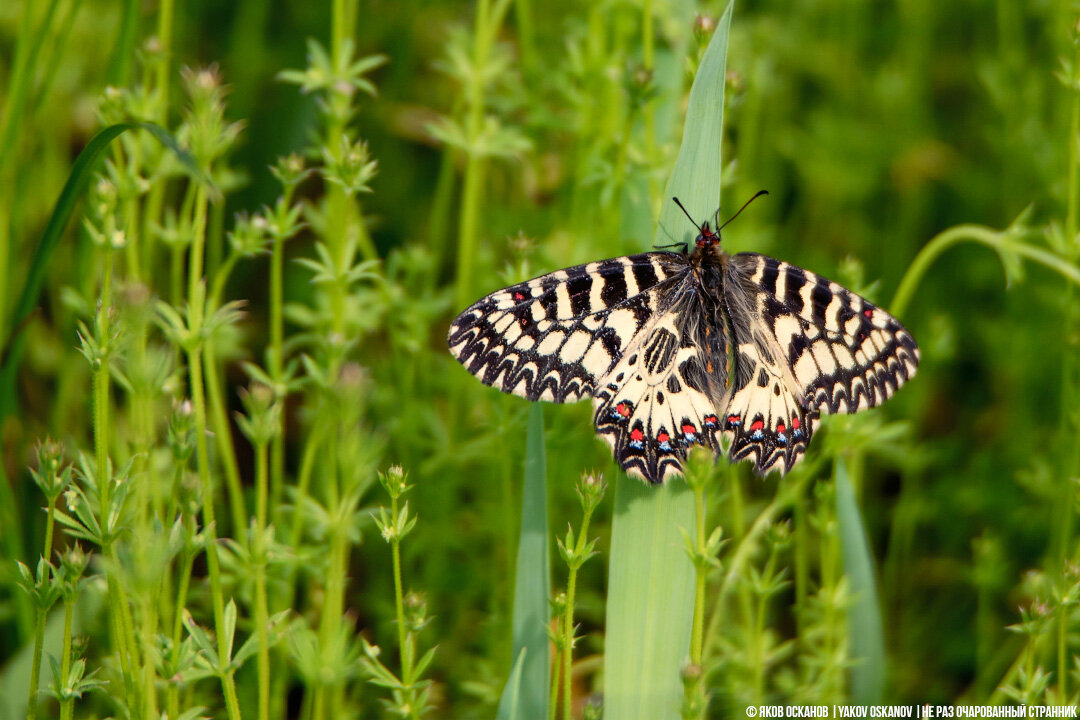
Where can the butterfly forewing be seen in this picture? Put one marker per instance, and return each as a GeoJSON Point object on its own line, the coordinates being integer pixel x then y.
{"type": "Point", "coordinates": [553, 337]}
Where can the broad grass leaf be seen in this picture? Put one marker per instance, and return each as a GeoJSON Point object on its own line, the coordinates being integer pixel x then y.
{"type": "Point", "coordinates": [526, 692]}
{"type": "Point", "coordinates": [865, 633]}
{"type": "Point", "coordinates": [650, 584]}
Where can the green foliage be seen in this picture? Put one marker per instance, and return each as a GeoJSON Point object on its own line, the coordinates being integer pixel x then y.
{"type": "Point", "coordinates": [231, 241]}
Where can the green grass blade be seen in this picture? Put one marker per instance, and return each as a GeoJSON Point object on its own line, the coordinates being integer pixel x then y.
{"type": "Point", "coordinates": [526, 696]}
{"type": "Point", "coordinates": [81, 173]}
{"type": "Point", "coordinates": [696, 177]}
{"type": "Point", "coordinates": [865, 634]}
{"type": "Point", "coordinates": [651, 580]}
{"type": "Point", "coordinates": [510, 703]}
{"type": "Point", "coordinates": [650, 600]}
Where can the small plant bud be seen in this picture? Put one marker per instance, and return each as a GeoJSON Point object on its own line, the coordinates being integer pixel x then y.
{"type": "Point", "coordinates": [591, 490]}
{"type": "Point", "coordinates": [181, 431]}
{"type": "Point", "coordinates": [290, 170]}
{"type": "Point", "coordinates": [704, 25]}
{"type": "Point", "coordinates": [394, 481]}
{"type": "Point", "coordinates": [261, 419]}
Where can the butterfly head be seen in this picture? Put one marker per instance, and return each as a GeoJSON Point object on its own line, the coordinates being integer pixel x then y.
{"type": "Point", "coordinates": [707, 237]}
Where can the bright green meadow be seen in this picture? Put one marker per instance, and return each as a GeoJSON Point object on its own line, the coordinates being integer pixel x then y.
{"type": "Point", "coordinates": [242, 477]}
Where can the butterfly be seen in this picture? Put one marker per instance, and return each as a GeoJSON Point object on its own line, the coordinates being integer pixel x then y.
{"type": "Point", "coordinates": [678, 349]}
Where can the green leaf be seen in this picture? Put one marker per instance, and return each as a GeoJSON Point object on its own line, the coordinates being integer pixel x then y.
{"type": "Point", "coordinates": [528, 691]}
{"type": "Point", "coordinates": [865, 633]}
{"type": "Point", "coordinates": [696, 177]}
{"type": "Point", "coordinates": [81, 173]}
{"type": "Point", "coordinates": [651, 579]}
{"type": "Point", "coordinates": [510, 704]}
{"type": "Point", "coordinates": [650, 604]}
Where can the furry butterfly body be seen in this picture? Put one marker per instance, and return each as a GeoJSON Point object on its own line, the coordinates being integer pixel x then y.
{"type": "Point", "coordinates": [676, 349]}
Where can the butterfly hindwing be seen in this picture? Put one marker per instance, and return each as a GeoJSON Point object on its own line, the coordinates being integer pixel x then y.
{"type": "Point", "coordinates": [814, 345]}
{"type": "Point", "coordinates": [552, 337]}
{"type": "Point", "coordinates": [764, 420]}
{"type": "Point", "coordinates": [655, 402]}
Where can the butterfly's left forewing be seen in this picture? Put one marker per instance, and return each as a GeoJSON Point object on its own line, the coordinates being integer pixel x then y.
{"type": "Point", "coordinates": [553, 337]}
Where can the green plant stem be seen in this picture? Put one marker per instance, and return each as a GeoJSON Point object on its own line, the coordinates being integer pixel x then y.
{"type": "Point", "coordinates": [173, 695]}
{"type": "Point", "coordinates": [164, 34]}
{"type": "Point", "coordinates": [1071, 453]}
{"type": "Point", "coordinates": [195, 369]}
{"type": "Point", "coordinates": [788, 494]}
{"type": "Point", "coordinates": [35, 669]}
{"type": "Point", "coordinates": [277, 364]}
{"type": "Point", "coordinates": [474, 166]}
{"type": "Point", "coordinates": [404, 635]}
{"type": "Point", "coordinates": [580, 549]}
{"type": "Point", "coordinates": [262, 615]}
{"type": "Point", "coordinates": [67, 706]}
{"type": "Point", "coordinates": [995, 239]}
{"type": "Point", "coordinates": [117, 603]}
{"type": "Point", "coordinates": [303, 480]}
{"type": "Point", "coordinates": [227, 682]}
{"type": "Point", "coordinates": [802, 566]}
{"type": "Point", "coordinates": [649, 63]}
{"type": "Point", "coordinates": [758, 642]}
{"type": "Point", "coordinates": [223, 437]}
{"type": "Point", "coordinates": [697, 637]}
{"type": "Point", "coordinates": [553, 695]}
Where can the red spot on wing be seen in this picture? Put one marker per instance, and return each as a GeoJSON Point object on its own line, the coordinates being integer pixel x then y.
{"type": "Point", "coordinates": [795, 423]}
{"type": "Point", "coordinates": [688, 428]}
{"type": "Point", "coordinates": [710, 420]}
{"type": "Point", "coordinates": [663, 437]}
{"type": "Point", "coordinates": [757, 426]}
{"type": "Point", "coordinates": [781, 428]}
{"type": "Point", "coordinates": [518, 296]}
{"type": "Point", "coordinates": [636, 434]}
{"type": "Point", "coordinates": [622, 409]}
{"type": "Point", "coordinates": [868, 312]}
{"type": "Point", "coordinates": [733, 418]}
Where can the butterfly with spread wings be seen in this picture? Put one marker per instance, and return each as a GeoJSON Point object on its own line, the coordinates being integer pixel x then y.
{"type": "Point", "coordinates": [679, 348]}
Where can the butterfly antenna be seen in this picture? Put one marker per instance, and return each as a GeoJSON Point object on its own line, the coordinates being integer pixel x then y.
{"type": "Point", "coordinates": [758, 194]}
{"type": "Point", "coordinates": [685, 212]}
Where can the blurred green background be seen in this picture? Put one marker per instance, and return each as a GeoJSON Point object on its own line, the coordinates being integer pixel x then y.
{"type": "Point", "coordinates": [874, 127]}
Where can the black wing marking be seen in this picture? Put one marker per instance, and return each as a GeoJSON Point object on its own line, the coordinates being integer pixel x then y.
{"type": "Point", "coordinates": [552, 337]}
{"type": "Point", "coordinates": [804, 345]}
